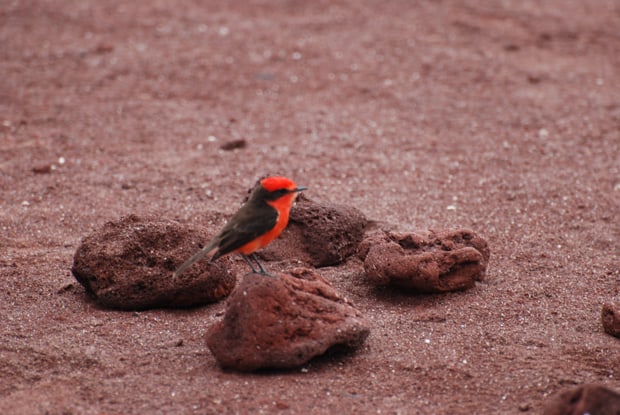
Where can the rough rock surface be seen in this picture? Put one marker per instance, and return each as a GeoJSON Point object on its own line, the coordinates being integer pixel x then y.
{"type": "Point", "coordinates": [611, 319]}
{"type": "Point", "coordinates": [319, 234]}
{"type": "Point", "coordinates": [430, 261]}
{"type": "Point", "coordinates": [585, 399]}
{"type": "Point", "coordinates": [283, 322]}
{"type": "Point", "coordinates": [128, 264]}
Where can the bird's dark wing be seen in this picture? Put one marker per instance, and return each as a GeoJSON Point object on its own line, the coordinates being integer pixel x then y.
{"type": "Point", "coordinates": [251, 221]}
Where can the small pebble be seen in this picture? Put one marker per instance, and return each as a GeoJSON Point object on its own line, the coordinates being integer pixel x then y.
{"type": "Point", "coordinates": [234, 144]}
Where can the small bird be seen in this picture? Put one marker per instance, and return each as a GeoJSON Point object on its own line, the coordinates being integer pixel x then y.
{"type": "Point", "coordinates": [258, 222]}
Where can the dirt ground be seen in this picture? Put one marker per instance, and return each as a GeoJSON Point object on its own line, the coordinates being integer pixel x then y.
{"type": "Point", "coordinates": [503, 117]}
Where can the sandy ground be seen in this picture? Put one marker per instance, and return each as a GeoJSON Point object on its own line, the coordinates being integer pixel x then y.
{"type": "Point", "coordinates": [503, 117]}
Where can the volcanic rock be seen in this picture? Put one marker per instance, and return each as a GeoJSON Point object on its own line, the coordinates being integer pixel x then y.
{"type": "Point", "coordinates": [611, 319]}
{"type": "Point", "coordinates": [283, 322]}
{"type": "Point", "coordinates": [319, 234]}
{"type": "Point", "coordinates": [128, 264]}
{"type": "Point", "coordinates": [585, 399]}
{"type": "Point", "coordinates": [426, 261]}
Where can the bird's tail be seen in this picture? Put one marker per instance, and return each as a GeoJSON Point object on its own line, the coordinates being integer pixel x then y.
{"type": "Point", "coordinates": [196, 257]}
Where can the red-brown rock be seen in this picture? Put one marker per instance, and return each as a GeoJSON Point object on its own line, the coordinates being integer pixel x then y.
{"type": "Point", "coordinates": [611, 319]}
{"type": "Point", "coordinates": [283, 322]}
{"type": "Point", "coordinates": [586, 399]}
{"type": "Point", "coordinates": [428, 261]}
{"type": "Point", "coordinates": [319, 234]}
{"type": "Point", "coordinates": [128, 265]}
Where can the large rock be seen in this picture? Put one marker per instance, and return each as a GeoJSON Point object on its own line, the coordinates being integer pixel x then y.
{"type": "Point", "coordinates": [283, 322]}
{"type": "Point", "coordinates": [610, 317]}
{"type": "Point", "coordinates": [586, 399]}
{"type": "Point", "coordinates": [128, 265]}
{"type": "Point", "coordinates": [319, 234]}
{"type": "Point", "coordinates": [427, 261]}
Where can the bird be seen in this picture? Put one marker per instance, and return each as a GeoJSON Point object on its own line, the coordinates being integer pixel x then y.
{"type": "Point", "coordinates": [258, 222]}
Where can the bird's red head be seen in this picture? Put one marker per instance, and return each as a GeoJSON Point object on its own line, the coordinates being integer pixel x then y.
{"type": "Point", "coordinates": [273, 183]}
{"type": "Point", "coordinates": [277, 188]}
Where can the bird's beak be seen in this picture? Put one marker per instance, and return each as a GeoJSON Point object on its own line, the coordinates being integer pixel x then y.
{"type": "Point", "coordinates": [299, 189]}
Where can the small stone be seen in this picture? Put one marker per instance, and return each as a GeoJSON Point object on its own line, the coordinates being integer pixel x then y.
{"type": "Point", "coordinates": [534, 79]}
{"type": "Point", "coordinates": [428, 261]}
{"type": "Point", "coordinates": [585, 399]}
{"type": "Point", "coordinates": [43, 169]}
{"type": "Point", "coordinates": [128, 264]}
{"type": "Point", "coordinates": [283, 322]}
{"type": "Point", "coordinates": [611, 319]}
{"type": "Point", "coordinates": [234, 145]}
{"type": "Point", "coordinates": [103, 47]}
{"type": "Point", "coordinates": [543, 133]}
{"type": "Point", "coordinates": [282, 405]}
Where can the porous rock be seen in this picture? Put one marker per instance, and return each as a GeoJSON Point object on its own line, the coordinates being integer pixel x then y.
{"type": "Point", "coordinates": [319, 234]}
{"type": "Point", "coordinates": [128, 264]}
{"type": "Point", "coordinates": [425, 261]}
{"type": "Point", "coordinates": [585, 399]}
{"type": "Point", "coordinates": [283, 322]}
{"type": "Point", "coordinates": [611, 319]}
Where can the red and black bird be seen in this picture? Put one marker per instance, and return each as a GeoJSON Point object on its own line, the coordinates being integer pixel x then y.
{"type": "Point", "coordinates": [258, 222]}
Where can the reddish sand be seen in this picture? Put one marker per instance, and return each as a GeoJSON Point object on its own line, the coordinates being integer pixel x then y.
{"type": "Point", "coordinates": [502, 117]}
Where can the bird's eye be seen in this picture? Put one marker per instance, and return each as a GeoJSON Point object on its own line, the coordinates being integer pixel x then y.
{"type": "Point", "coordinates": [280, 192]}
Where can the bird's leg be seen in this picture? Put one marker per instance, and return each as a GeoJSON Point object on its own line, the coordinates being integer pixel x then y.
{"type": "Point", "coordinates": [260, 266]}
{"type": "Point", "coordinates": [245, 257]}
